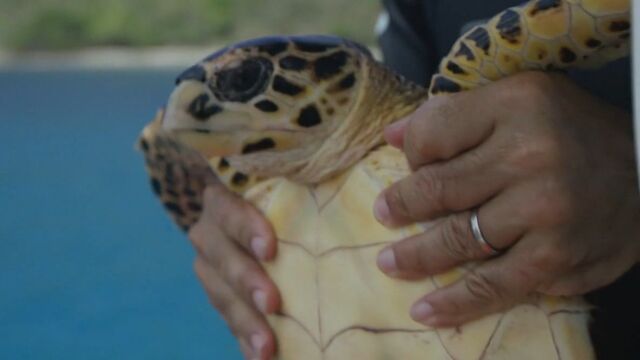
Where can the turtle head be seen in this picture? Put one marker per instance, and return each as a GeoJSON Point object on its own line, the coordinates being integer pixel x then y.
{"type": "Point", "coordinates": [275, 106]}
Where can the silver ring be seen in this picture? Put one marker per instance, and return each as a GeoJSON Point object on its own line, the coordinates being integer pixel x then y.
{"type": "Point", "coordinates": [477, 234]}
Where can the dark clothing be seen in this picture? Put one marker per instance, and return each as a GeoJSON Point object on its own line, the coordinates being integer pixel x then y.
{"type": "Point", "coordinates": [420, 33]}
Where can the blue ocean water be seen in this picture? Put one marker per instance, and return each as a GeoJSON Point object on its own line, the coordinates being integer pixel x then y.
{"type": "Point", "coordinates": [90, 266]}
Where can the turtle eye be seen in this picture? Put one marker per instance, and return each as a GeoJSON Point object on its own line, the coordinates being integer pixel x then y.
{"type": "Point", "coordinates": [242, 83]}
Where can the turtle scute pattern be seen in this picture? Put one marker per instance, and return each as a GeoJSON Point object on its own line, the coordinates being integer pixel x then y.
{"type": "Point", "coordinates": [338, 306]}
{"type": "Point", "coordinates": [538, 35]}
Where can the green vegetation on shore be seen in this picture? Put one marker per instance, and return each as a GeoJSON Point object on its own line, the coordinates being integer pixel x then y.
{"type": "Point", "coordinates": [72, 24]}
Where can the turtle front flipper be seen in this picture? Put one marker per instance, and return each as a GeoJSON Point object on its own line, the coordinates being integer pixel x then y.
{"type": "Point", "coordinates": [538, 35]}
{"type": "Point", "coordinates": [179, 174]}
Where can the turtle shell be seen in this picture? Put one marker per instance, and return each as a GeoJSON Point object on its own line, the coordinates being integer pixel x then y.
{"type": "Point", "coordinates": [338, 305]}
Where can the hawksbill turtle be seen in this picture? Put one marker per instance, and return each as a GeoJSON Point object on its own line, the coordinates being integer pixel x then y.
{"type": "Point", "coordinates": [294, 124]}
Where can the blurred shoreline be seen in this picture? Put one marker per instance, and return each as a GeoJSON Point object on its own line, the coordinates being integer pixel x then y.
{"type": "Point", "coordinates": [105, 58]}
{"type": "Point", "coordinates": [111, 58]}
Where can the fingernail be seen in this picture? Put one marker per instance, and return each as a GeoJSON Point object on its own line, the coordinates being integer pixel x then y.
{"type": "Point", "coordinates": [381, 210]}
{"type": "Point", "coordinates": [258, 342]}
{"type": "Point", "coordinates": [260, 299]}
{"type": "Point", "coordinates": [421, 311]}
{"type": "Point", "coordinates": [259, 247]}
{"type": "Point", "coordinates": [387, 261]}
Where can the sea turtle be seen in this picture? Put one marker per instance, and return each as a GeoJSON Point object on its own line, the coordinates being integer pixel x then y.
{"type": "Point", "coordinates": [294, 124]}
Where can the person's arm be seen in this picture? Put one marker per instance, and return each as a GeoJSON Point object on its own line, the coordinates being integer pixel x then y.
{"type": "Point", "coordinates": [551, 172]}
{"type": "Point", "coordinates": [230, 237]}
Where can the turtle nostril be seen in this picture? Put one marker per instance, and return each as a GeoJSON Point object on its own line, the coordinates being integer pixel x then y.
{"type": "Point", "coordinates": [244, 82]}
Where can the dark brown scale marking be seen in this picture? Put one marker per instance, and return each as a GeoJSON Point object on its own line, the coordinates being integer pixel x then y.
{"type": "Point", "coordinates": [544, 5]}
{"type": "Point", "coordinates": [185, 174]}
{"type": "Point", "coordinates": [194, 206]}
{"type": "Point", "coordinates": [309, 117]}
{"type": "Point", "coordinates": [624, 36]}
{"type": "Point", "coordinates": [443, 85]}
{"type": "Point", "coordinates": [172, 192]}
{"type": "Point", "coordinates": [170, 189]}
{"type": "Point", "coordinates": [567, 56]}
{"type": "Point", "coordinates": [330, 65]}
{"type": "Point", "coordinates": [144, 145]}
{"type": "Point", "coordinates": [480, 36]}
{"type": "Point", "coordinates": [264, 144]}
{"type": "Point", "coordinates": [455, 68]}
{"type": "Point", "coordinates": [274, 48]}
{"type": "Point", "coordinates": [267, 106]}
{"type": "Point", "coordinates": [509, 26]}
{"type": "Point", "coordinates": [169, 175]}
{"type": "Point", "coordinates": [619, 26]}
{"type": "Point", "coordinates": [156, 186]}
{"type": "Point", "coordinates": [175, 146]}
{"type": "Point", "coordinates": [174, 208]}
{"type": "Point", "coordinates": [282, 85]}
{"type": "Point", "coordinates": [542, 54]}
{"type": "Point", "coordinates": [189, 192]}
{"type": "Point", "coordinates": [466, 52]}
{"type": "Point", "coordinates": [331, 111]}
{"type": "Point", "coordinates": [312, 46]}
{"type": "Point", "coordinates": [202, 131]}
{"type": "Point", "coordinates": [347, 82]}
{"type": "Point", "coordinates": [223, 164]}
{"type": "Point", "coordinates": [239, 179]}
{"type": "Point", "coordinates": [293, 63]}
{"type": "Point", "coordinates": [199, 109]}
{"type": "Point", "coordinates": [196, 72]}
{"type": "Point", "coordinates": [593, 43]}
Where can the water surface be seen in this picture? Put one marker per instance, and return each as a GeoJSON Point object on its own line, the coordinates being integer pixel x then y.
{"type": "Point", "coordinates": [90, 266]}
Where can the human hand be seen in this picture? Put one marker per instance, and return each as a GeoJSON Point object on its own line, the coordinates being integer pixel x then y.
{"type": "Point", "coordinates": [230, 237]}
{"type": "Point", "coordinates": [552, 173]}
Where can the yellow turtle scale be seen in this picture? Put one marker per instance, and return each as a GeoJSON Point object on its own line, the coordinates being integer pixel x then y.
{"type": "Point", "coordinates": [294, 124]}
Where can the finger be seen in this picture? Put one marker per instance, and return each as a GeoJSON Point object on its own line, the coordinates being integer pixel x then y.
{"type": "Point", "coordinates": [440, 189]}
{"type": "Point", "coordinates": [248, 325]}
{"type": "Point", "coordinates": [245, 348]}
{"type": "Point", "coordinates": [394, 133]}
{"type": "Point", "coordinates": [493, 286]}
{"type": "Point", "coordinates": [450, 242]}
{"type": "Point", "coordinates": [446, 126]}
{"type": "Point", "coordinates": [240, 221]}
{"type": "Point", "coordinates": [242, 273]}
